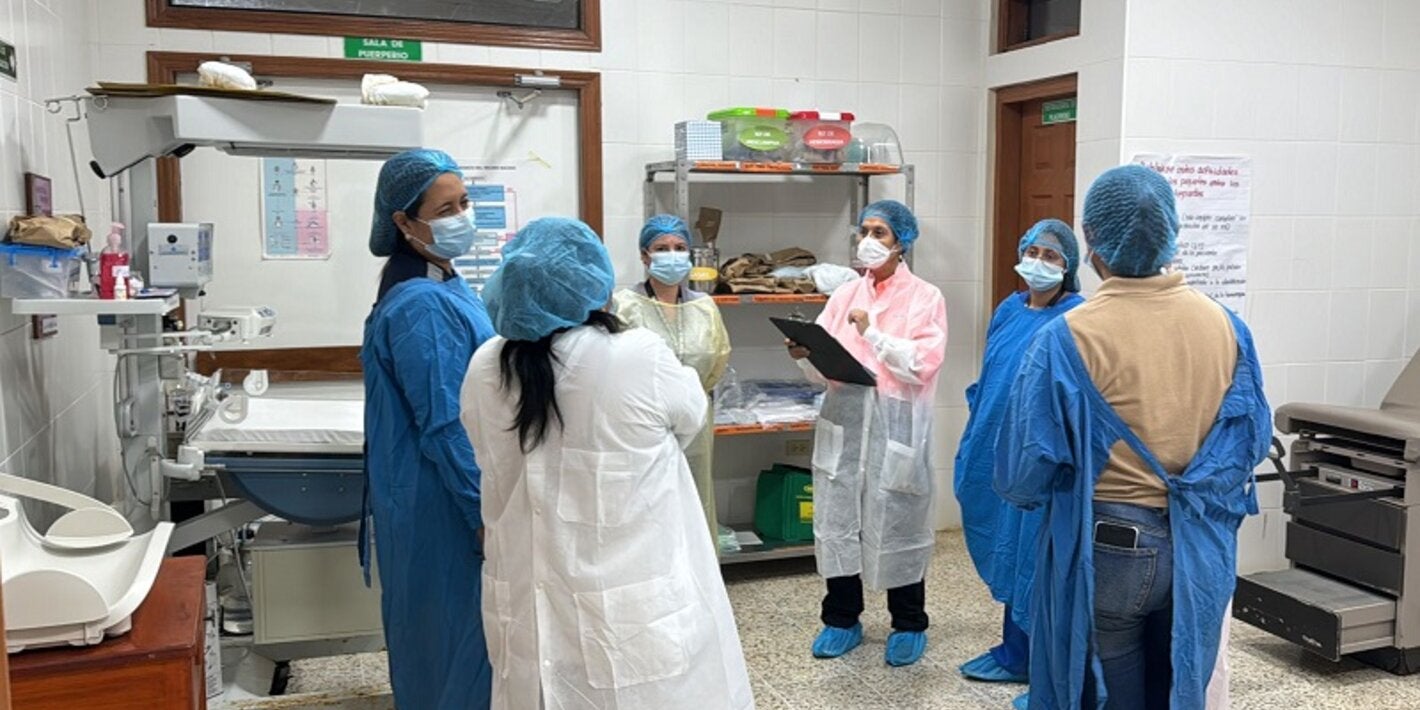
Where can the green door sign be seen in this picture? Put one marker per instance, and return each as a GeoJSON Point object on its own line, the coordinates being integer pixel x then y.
{"type": "Point", "coordinates": [1061, 111]}
{"type": "Point", "coordinates": [393, 50]}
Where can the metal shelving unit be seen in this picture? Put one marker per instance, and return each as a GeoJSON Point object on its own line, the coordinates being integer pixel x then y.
{"type": "Point", "coordinates": [683, 170]}
{"type": "Point", "coordinates": [682, 173]}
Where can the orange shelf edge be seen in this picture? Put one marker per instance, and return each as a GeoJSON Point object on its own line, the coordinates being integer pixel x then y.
{"type": "Point", "coordinates": [751, 429]}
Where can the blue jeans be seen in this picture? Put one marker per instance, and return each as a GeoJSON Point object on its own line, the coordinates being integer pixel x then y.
{"type": "Point", "coordinates": [1134, 609]}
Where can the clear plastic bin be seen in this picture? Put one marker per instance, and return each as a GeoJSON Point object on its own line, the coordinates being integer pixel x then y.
{"type": "Point", "coordinates": [757, 135]}
{"type": "Point", "coordinates": [38, 272]}
{"type": "Point", "coordinates": [820, 136]}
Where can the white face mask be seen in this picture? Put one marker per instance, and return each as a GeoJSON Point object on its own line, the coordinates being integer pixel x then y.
{"type": "Point", "coordinates": [872, 254]}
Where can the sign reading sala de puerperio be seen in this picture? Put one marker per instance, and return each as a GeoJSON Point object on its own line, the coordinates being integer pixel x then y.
{"type": "Point", "coordinates": [394, 50]}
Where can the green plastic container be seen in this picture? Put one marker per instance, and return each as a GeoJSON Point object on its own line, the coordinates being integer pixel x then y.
{"type": "Point", "coordinates": [759, 135]}
{"type": "Point", "coordinates": [784, 504]}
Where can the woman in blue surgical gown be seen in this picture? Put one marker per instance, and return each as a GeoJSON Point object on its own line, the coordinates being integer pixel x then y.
{"type": "Point", "coordinates": [422, 487]}
{"type": "Point", "coordinates": [1000, 537]}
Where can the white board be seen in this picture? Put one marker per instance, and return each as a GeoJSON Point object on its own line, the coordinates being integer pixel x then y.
{"type": "Point", "coordinates": [324, 302]}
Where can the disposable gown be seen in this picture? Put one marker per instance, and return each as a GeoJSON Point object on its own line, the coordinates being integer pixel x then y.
{"type": "Point", "coordinates": [694, 331]}
{"type": "Point", "coordinates": [1000, 537]}
{"type": "Point", "coordinates": [872, 459]}
{"type": "Point", "coordinates": [423, 491]}
{"type": "Point", "coordinates": [1056, 440]}
{"type": "Point", "coordinates": [600, 589]}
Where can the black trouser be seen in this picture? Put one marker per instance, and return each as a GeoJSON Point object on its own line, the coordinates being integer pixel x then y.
{"type": "Point", "coordinates": [844, 604]}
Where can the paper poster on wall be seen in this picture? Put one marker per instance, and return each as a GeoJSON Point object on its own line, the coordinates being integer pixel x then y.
{"type": "Point", "coordinates": [1214, 213]}
{"type": "Point", "coordinates": [294, 220]}
{"type": "Point", "coordinates": [495, 189]}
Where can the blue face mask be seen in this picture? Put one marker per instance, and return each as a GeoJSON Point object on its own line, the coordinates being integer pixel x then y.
{"type": "Point", "coordinates": [670, 267]}
{"type": "Point", "coordinates": [1039, 275]}
{"type": "Point", "coordinates": [453, 235]}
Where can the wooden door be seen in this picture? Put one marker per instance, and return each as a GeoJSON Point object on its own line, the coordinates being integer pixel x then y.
{"type": "Point", "coordinates": [1035, 173]}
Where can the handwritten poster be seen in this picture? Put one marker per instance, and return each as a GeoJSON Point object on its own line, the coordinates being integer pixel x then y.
{"type": "Point", "coordinates": [495, 188]}
{"type": "Point", "coordinates": [1214, 210]}
{"type": "Point", "coordinates": [294, 221]}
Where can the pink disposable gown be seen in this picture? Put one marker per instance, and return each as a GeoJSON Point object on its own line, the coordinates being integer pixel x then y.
{"type": "Point", "coordinates": [872, 461]}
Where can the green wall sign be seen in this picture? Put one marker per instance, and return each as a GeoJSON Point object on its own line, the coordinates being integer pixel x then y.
{"type": "Point", "coordinates": [1062, 111]}
{"type": "Point", "coordinates": [393, 50]}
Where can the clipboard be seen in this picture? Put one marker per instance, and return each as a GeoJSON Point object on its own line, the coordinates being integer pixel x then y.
{"type": "Point", "coordinates": [826, 353]}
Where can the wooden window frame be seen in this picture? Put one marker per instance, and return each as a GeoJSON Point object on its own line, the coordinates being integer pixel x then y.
{"type": "Point", "coordinates": [588, 38]}
{"type": "Point", "coordinates": [1006, 159]}
{"type": "Point", "coordinates": [320, 363]}
{"type": "Point", "coordinates": [1011, 22]}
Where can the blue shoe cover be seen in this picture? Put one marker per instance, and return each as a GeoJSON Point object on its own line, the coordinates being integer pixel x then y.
{"type": "Point", "coordinates": [1022, 702]}
{"type": "Point", "coordinates": [833, 642]}
{"type": "Point", "coordinates": [905, 648]}
{"type": "Point", "coordinates": [985, 668]}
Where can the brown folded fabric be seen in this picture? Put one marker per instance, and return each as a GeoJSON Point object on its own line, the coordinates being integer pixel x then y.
{"type": "Point", "coordinates": [797, 285]}
{"type": "Point", "coordinates": [63, 231]}
{"type": "Point", "coordinates": [752, 285]}
{"type": "Point", "coordinates": [793, 256]}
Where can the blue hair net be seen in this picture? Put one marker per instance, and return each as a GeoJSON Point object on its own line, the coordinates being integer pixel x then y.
{"type": "Point", "coordinates": [1130, 220]}
{"type": "Point", "coordinates": [402, 180]}
{"type": "Point", "coordinates": [898, 217]}
{"type": "Point", "coordinates": [1054, 234]}
{"type": "Point", "coordinates": [555, 272]}
{"type": "Point", "coordinates": [663, 224]}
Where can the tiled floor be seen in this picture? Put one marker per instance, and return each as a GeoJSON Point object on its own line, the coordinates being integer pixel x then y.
{"type": "Point", "coordinates": [777, 611]}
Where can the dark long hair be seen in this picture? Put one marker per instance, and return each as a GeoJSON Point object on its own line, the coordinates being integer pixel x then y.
{"type": "Point", "coordinates": [404, 262]}
{"type": "Point", "coordinates": [529, 365]}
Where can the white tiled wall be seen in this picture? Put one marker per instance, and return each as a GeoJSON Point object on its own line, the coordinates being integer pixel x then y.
{"type": "Point", "coordinates": [915, 64]}
{"type": "Point", "coordinates": [1323, 96]}
{"type": "Point", "coordinates": [54, 394]}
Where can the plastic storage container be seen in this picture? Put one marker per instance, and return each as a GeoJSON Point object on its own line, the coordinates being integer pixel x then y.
{"type": "Point", "coordinates": [820, 136]}
{"type": "Point", "coordinates": [784, 504]}
{"type": "Point", "coordinates": [759, 135]}
{"type": "Point", "coordinates": [38, 272]}
{"type": "Point", "coordinates": [875, 147]}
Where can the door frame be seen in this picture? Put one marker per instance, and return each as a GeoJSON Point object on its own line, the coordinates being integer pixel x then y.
{"type": "Point", "coordinates": [1006, 162]}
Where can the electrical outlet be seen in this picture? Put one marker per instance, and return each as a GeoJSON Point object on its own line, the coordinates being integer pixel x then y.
{"type": "Point", "coordinates": [798, 447]}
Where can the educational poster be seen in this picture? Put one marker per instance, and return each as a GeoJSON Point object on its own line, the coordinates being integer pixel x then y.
{"type": "Point", "coordinates": [1214, 209]}
{"type": "Point", "coordinates": [294, 220]}
{"type": "Point", "coordinates": [495, 188]}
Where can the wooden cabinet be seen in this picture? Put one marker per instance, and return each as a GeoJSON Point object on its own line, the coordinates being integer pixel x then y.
{"type": "Point", "coordinates": [157, 665]}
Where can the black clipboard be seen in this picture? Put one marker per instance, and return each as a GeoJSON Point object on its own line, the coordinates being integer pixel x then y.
{"type": "Point", "coordinates": [826, 353]}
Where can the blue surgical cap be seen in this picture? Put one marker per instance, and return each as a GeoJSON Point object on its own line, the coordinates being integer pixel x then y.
{"type": "Point", "coordinates": [663, 224]}
{"type": "Point", "coordinates": [555, 272]}
{"type": "Point", "coordinates": [1130, 220]}
{"type": "Point", "coordinates": [898, 217]}
{"type": "Point", "coordinates": [1056, 235]}
{"type": "Point", "coordinates": [402, 180]}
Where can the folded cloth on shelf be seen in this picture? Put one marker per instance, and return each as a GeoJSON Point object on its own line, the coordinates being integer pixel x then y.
{"type": "Point", "coordinates": [752, 285]}
{"type": "Point", "coordinates": [793, 256]}
{"type": "Point", "coordinates": [829, 277]}
{"type": "Point", "coordinates": [745, 266]}
{"type": "Point", "coordinates": [800, 285]}
{"type": "Point", "coordinates": [778, 272]}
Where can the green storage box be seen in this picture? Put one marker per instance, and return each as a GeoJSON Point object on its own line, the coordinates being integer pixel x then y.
{"type": "Point", "coordinates": [757, 135]}
{"type": "Point", "coordinates": [784, 504]}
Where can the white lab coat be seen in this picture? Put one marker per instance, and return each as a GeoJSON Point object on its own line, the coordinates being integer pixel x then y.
{"type": "Point", "coordinates": [600, 589]}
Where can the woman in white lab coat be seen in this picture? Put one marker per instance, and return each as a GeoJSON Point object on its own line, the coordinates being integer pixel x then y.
{"type": "Point", "coordinates": [599, 589]}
